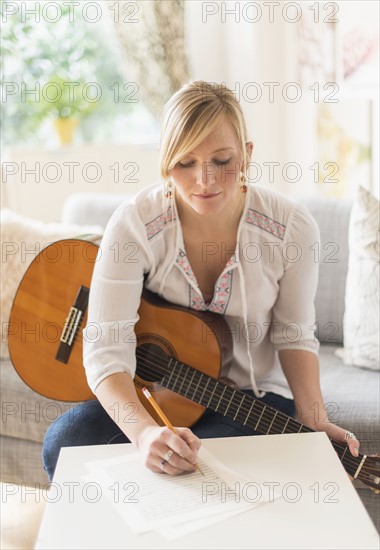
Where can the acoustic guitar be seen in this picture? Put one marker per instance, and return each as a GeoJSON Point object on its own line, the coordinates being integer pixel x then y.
{"type": "Point", "coordinates": [45, 342]}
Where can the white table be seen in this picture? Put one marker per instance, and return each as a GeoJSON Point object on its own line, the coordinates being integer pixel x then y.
{"type": "Point", "coordinates": [319, 509]}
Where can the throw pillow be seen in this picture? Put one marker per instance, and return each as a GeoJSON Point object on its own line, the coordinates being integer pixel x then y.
{"type": "Point", "coordinates": [21, 240]}
{"type": "Point", "coordinates": [361, 317]}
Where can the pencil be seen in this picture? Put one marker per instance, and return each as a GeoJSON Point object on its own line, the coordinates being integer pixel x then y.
{"type": "Point", "coordinates": [163, 416]}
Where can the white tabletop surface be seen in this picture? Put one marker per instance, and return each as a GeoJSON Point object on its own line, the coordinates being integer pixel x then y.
{"type": "Point", "coordinates": [320, 508]}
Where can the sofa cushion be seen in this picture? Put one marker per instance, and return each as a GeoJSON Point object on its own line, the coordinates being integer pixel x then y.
{"type": "Point", "coordinates": [24, 413]}
{"type": "Point", "coordinates": [361, 316]}
{"type": "Point", "coordinates": [333, 218]}
{"type": "Point", "coordinates": [91, 206]}
{"type": "Point", "coordinates": [21, 463]}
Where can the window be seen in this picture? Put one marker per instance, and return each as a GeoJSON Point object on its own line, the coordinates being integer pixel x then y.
{"type": "Point", "coordinates": [61, 59]}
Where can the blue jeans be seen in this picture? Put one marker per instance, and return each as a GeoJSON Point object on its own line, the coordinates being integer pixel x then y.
{"type": "Point", "coordinates": [89, 424]}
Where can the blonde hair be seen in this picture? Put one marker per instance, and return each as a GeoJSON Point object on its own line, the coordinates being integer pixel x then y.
{"type": "Point", "coordinates": [191, 114]}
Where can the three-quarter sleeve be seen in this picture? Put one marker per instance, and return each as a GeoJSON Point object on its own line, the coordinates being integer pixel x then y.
{"type": "Point", "coordinates": [293, 314]}
{"type": "Point", "coordinates": [109, 341]}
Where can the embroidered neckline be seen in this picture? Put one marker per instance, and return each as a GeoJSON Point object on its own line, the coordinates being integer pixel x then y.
{"type": "Point", "coordinates": [157, 225]}
{"type": "Point", "coordinates": [254, 217]}
{"type": "Point", "coordinates": [223, 285]}
{"type": "Point", "coordinates": [222, 290]}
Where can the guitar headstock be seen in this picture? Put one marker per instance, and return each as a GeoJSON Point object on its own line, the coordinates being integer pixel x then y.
{"type": "Point", "coordinates": [370, 472]}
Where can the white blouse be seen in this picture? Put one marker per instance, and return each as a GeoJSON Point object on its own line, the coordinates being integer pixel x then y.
{"type": "Point", "coordinates": [265, 293]}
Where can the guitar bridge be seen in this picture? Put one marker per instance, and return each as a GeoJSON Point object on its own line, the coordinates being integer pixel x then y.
{"type": "Point", "coordinates": [71, 325]}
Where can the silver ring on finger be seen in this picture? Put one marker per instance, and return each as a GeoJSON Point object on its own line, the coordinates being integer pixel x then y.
{"type": "Point", "coordinates": [349, 435]}
{"type": "Point", "coordinates": [168, 456]}
{"type": "Point", "coordinates": [163, 462]}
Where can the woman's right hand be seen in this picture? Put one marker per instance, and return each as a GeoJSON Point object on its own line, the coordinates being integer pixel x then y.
{"type": "Point", "coordinates": [155, 442]}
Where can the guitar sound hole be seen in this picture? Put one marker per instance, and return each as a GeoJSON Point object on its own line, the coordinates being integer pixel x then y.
{"type": "Point", "coordinates": [151, 362]}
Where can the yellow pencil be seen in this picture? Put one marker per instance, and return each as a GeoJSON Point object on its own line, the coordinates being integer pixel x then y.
{"type": "Point", "coordinates": [163, 416]}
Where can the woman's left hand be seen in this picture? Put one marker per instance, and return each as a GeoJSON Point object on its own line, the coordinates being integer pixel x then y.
{"type": "Point", "coordinates": [340, 435]}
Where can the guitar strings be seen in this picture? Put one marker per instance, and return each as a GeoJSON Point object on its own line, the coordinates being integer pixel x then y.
{"type": "Point", "coordinates": [348, 459]}
{"type": "Point", "coordinates": [223, 399]}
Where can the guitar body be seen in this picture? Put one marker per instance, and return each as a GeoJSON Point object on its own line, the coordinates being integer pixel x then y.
{"type": "Point", "coordinates": [41, 308]}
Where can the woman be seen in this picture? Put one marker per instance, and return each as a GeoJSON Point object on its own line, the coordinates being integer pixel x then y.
{"type": "Point", "coordinates": [207, 240]}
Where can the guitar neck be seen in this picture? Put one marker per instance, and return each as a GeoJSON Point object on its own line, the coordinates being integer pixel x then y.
{"type": "Point", "coordinates": [218, 396]}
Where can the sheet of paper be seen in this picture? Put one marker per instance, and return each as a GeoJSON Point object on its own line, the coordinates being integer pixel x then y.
{"type": "Point", "coordinates": [184, 529]}
{"type": "Point", "coordinates": [246, 490]}
{"type": "Point", "coordinates": [174, 506]}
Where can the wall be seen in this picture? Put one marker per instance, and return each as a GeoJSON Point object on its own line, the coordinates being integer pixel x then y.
{"type": "Point", "coordinates": [35, 182]}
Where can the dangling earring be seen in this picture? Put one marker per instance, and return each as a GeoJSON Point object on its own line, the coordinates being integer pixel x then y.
{"type": "Point", "coordinates": [168, 189]}
{"type": "Point", "coordinates": [243, 180]}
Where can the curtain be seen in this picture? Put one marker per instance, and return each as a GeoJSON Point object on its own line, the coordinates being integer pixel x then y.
{"type": "Point", "coordinates": [152, 42]}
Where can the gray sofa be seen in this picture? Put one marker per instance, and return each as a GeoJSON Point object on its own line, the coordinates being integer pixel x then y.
{"type": "Point", "coordinates": [352, 394]}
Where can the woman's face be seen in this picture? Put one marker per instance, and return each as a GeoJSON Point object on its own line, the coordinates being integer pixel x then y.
{"type": "Point", "coordinates": [208, 178]}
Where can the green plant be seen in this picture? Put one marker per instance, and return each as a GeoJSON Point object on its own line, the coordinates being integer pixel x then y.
{"type": "Point", "coordinates": [63, 99]}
